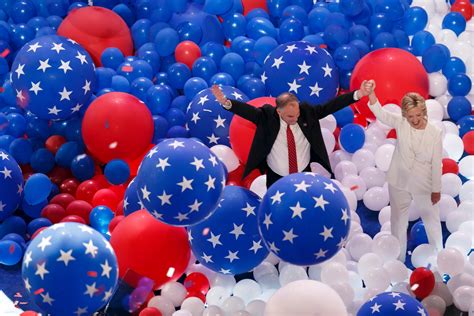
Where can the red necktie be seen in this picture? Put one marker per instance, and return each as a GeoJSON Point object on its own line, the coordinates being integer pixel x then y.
{"type": "Point", "coordinates": [292, 160]}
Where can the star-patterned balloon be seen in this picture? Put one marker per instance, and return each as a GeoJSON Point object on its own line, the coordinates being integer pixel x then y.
{"type": "Point", "coordinates": [53, 77]}
{"type": "Point", "coordinates": [392, 304]}
{"type": "Point", "coordinates": [70, 269]}
{"type": "Point", "coordinates": [11, 185]}
{"type": "Point", "coordinates": [229, 241]}
{"type": "Point", "coordinates": [131, 200]}
{"type": "Point", "coordinates": [303, 69]}
{"type": "Point", "coordinates": [207, 120]}
{"type": "Point", "coordinates": [180, 181]}
{"type": "Point", "coordinates": [304, 218]}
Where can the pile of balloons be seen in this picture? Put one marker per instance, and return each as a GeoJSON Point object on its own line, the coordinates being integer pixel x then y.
{"type": "Point", "coordinates": [107, 121]}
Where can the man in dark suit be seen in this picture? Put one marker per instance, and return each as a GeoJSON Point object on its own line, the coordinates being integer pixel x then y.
{"type": "Point", "coordinates": [288, 138]}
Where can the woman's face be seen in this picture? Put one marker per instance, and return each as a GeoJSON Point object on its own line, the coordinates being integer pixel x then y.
{"type": "Point", "coordinates": [416, 118]}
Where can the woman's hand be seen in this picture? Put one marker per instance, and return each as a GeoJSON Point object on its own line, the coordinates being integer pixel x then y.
{"type": "Point", "coordinates": [435, 197]}
{"type": "Point", "coordinates": [220, 97]}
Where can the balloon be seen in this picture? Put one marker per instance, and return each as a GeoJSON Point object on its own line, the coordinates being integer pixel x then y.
{"type": "Point", "coordinates": [196, 282]}
{"type": "Point", "coordinates": [110, 130]}
{"type": "Point", "coordinates": [11, 182]}
{"type": "Point", "coordinates": [67, 86]}
{"type": "Point", "coordinates": [450, 166]}
{"type": "Point", "coordinates": [100, 217]}
{"type": "Point", "coordinates": [318, 197]}
{"type": "Point", "coordinates": [468, 141]}
{"type": "Point", "coordinates": [37, 188]}
{"type": "Point", "coordinates": [392, 83]}
{"type": "Point", "coordinates": [304, 297]}
{"type": "Point", "coordinates": [392, 303]}
{"type": "Point", "coordinates": [96, 28]}
{"type": "Point", "coordinates": [10, 252]}
{"type": "Point", "coordinates": [421, 41]}
{"type": "Point", "coordinates": [352, 137]}
{"type": "Point", "coordinates": [132, 240]}
{"type": "Point", "coordinates": [105, 197]}
{"type": "Point", "coordinates": [435, 57]}
{"type": "Point", "coordinates": [414, 20]}
{"type": "Point", "coordinates": [422, 282]}
{"type": "Point", "coordinates": [454, 21]}
{"type": "Point", "coordinates": [81, 252]}
{"type": "Point", "coordinates": [463, 7]}
{"type": "Point", "coordinates": [53, 212]}
{"type": "Point", "coordinates": [459, 85]}
{"type": "Point", "coordinates": [253, 5]}
{"type": "Point", "coordinates": [117, 171]}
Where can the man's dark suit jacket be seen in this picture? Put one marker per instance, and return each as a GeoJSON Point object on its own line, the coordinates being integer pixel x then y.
{"type": "Point", "coordinates": [267, 121]}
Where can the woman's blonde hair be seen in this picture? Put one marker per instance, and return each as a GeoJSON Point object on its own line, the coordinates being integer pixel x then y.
{"type": "Point", "coordinates": [413, 100]}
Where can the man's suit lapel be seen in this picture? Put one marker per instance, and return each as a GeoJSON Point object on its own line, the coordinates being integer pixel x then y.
{"type": "Point", "coordinates": [275, 127]}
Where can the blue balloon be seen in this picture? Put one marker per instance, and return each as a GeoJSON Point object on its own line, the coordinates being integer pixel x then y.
{"type": "Point", "coordinates": [214, 50]}
{"type": "Point", "coordinates": [5, 142]}
{"type": "Point", "coordinates": [161, 12]}
{"type": "Point", "coordinates": [418, 234]}
{"type": "Point", "coordinates": [466, 124]}
{"type": "Point", "coordinates": [72, 254]}
{"type": "Point", "coordinates": [100, 217]}
{"type": "Point", "coordinates": [36, 224]}
{"type": "Point", "coordinates": [37, 188]}
{"type": "Point", "coordinates": [112, 57]}
{"type": "Point", "coordinates": [257, 12]}
{"type": "Point", "coordinates": [228, 241]}
{"type": "Point", "coordinates": [177, 132]}
{"type": "Point", "coordinates": [392, 304]}
{"type": "Point", "coordinates": [291, 30]}
{"type": "Point", "coordinates": [351, 7]}
{"type": "Point", "coordinates": [42, 160]}
{"type": "Point", "coordinates": [458, 107]}
{"type": "Point", "coordinates": [253, 88]}
{"type": "Point", "coordinates": [455, 22]}
{"type": "Point", "coordinates": [67, 152]}
{"type": "Point", "coordinates": [222, 79]}
{"type": "Point", "coordinates": [379, 22]}
{"type": "Point", "coordinates": [346, 57]}
{"type": "Point", "coordinates": [33, 211]}
{"type": "Point", "coordinates": [315, 39]}
{"type": "Point", "coordinates": [10, 252]}
{"type": "Point", "coordinates": [421, 41]}
{"type": "Point", "coordinates": [16, 238]}
{"type": "Point", "coordinates": [140, 86]}
{"type": "Point", "coordinates": [158, 99]}
{"type": "Point", "coordinates": [189, 31]}
{"type": "Point", "coordinates": [352, 137]}
{"type": "Point", "coordinates": [207, 120]}
{"type": "Point", "coordinates": [233, 64]}
{"type": "Point", "coordinates": [363, 18]}
{"type": "Point", "coordinates": [217, 7]}
{"type": "Point", "coordinates": [234, 25]}
{"type": "Point", "coordinates": [120, 84]}
{"type": "Point", "coordinates": [83, 167]}
{"type": "Point", "coordinates": [103, 77]}
{"type": "Point", "coordinates": [117, 171]}
{"type": "Point", "coordinates": [359, 32]}
{"type": "Point", "coordinates": [151, 57]}
{"type": "Point", "coordinates": [140, 32]}
{"type": "Point", "coordinates": [344, 116]}
{"type": "Point", "coordinates": [54, 75]}
{"type": "Point", "coordinates": [295, 12]}
{"type": "Point", "coordinates": [180, 102]}
{"type": "Point", "coordinates": [414, 20]}
{"type": "Point", "coordinates": [318, 19]}
{"type": "Point", "coordinates": [304, 218]}
{"type": "Point", "coordinates": [178, 74]}
{"type": "Point", "coordinates": [335, 35]}
{"type": "Point", "coordinates": [21, 149]}
{"type": "Point", "coordinates": [245, 48]}
{"type": "Point", "coordinates": [401, 38]}
{"type": "Point", "coordinates": [183, 198]}
{"type": "Point", "coordinates": [193, 86]}
{"type": "Point", "coordinates": [21, 34]}
{"type": "Point", "coordinates": [361, 46]}
{"type": "Point", "coordinates": [125, 13]}
{"type": "Point", "coordinates": [453, 66]}
{"type": "Point", "coordinates": [435, 57]}
{"type": "Point", "coordinates": [36, 127]}
{"type": "Point", "coordinates": [204, 67]}
{"type": "Point", "coordinates": [175, 117]}
{"type": "Point", "coordinates": [16, 125]}
{"type": "Point", "coordinates": [384, 40]}
{"type": "Point", "coordinates": [276, 7]}
{"type": "Point", "coordinates": [459, 85]}
{"type": "Point", "coordinates": [339, 19]}
{"type": "Point", "coordinates": [12, 224]}
{"type": "Point", "coordinates": [131, 202]}
{"type": "Point", "coordinates": [36, 23]}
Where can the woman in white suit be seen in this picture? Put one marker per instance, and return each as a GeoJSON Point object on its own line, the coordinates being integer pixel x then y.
{"type": "Point", "coordinates": [415, 169]}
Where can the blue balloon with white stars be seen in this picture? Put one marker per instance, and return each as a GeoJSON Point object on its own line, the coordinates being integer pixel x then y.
{"type": "Point", "coordinates": [53, 77]}
{"type": "Point", "coordinates": [70, 269]}
{"type": "Point", "coordinates": [207, 120]}
{"type": "Point", "coordinates": [392, 304]}
{"type": "Point", "coordinates": [11, 184]}
{"type": "Point", "coordinates": [131, 201]}
{"type": "Point", "coordinates": [180, 181]}
{"type": "Point", "coordinates": [304, 218]}
{"type": "Point", "coordinates": [229, 241]}
{"type": "Point", "coordinates": [307, 71]}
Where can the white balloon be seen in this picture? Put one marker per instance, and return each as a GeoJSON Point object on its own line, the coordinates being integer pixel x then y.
{"type": "Point", "coordinates": [233, 304]}
{"type": "Point", "coordinates": [422, 255]}
{"type": "Point", "coordinates": [373, 177]}
{"type": "Point", "coordinates": [247, 290]}
{"type": "Point", "coordinates": [450, 184]}
{"type": "Point", "coordinates": [345, 291]}
{"type": "Point", "coordinates": [291, 273]}
{"type": "Point", "coordinates": [363, 158]}
{"type": "Point", "coordinates": [450, 261]}
{"type": "Point", "coordinates": [463, 297]}
{"type": "Point", "coordinates": [329, 140]}
{"type": "Point", "coordinates": [213, 310]}
{"type": "Point", "coordinates": [447, 204]}
{"type": "Point", "coordinates": [462, 279]}
{"type": "Point", "coordinates": [438, 84]}
{"type": "Point", "coordinates": [428, 5]}
{"type": "Point", "coordinates": [455, 219]}
{"type": "Point", "coordinates": [359, 245]}
{"type": "Point", "coordinates": [435, 110]}
{"type": "Point", "coordinates": [453, 145]}
{"type": "Point", "coordinates": [402, 287]}
{"type": "Point", "coordinates": [227, 156]}
{"type": "Point", "coordinates": [386, 247]}
{"type": "Point", "coordinates": [466, 191]}
{"type": "Point", "coordinates": [256, 307]}
{"type": "Point", "coordinates": [371, 146]}
{"type": "Point", "coordinates": [383, 156]}
{"type": "Point", "coordinates": [163, 304]}
{"type": "Point", "coordinates": [397, 270]}
{"type": "Point", "coordinates": [466, 167]}
{"type": "Point", "coordinates": [350, 196]}
{"type": "Point", "coordinates": [193, 305]}
{"type": "Point", "coordinates": [384, 215]}
{"type": "Point", "coordinates": [225, 281]}
{"type": "Point", "coordinates": [466, 206]}
{"type": "Point", "coordinates": [183, 312]}
{"type": "Point", "coordinates": [175, 292]}
{"type": "Point", "coordinates": [259, 185]}
{"type": "Point", "coordinates": [355, 183]}
{"type": "Point", "coordinates": [375, 135]}
{"type": "Point", "coordinates": [314, 272]}
{"type": "Point", "coordinates": [434, 304]}
{"type": "Point", "coordinates": [451, 128]}
{"type": "Point", "coordinates": [447, 37]}
{"type": "Point", "coordinates": [355, 218]}
{"type": "Point", "coordinates": [377, 278]}
{"type": "Point", "coordinates": [337, 156]}
{"type": "Point", "coordinates": [345, 168]}
{"type": "Point", "coordinates": [334, 272]}
{"type": "Point", "coordinates": [217, 295]}
{"type": "Point", "coordinates": [329, 122]}
{"type": "Point", "coordinates": [272, 258]}
{"type": "Point", "coordinates": [467, 227]}
{"type": "Point", "coordinates": [375, 198]}
{"type": "Point", "coordinates": [367, 262]}
{"type": "Point", "coordinates": [304, 298]}
{"type": "Point", "coordinates": [461, 241]}
{"type": "Point", "coordinates": [413, 212]}
{"type": "Point", "coordinates": [442, 290]}
{"type": "Point", "coordinates": [444, 100]}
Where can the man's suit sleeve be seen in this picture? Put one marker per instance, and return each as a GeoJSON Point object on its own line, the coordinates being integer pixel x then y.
{"type": "Point", "coordinates": [245, 111]}
{"type": "Point", "coordinates": [334, 105]}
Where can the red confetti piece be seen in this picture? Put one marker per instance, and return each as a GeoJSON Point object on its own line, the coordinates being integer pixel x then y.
{"type": "Point", "coordinates": [92, 274]}
{"type": "Point", "coordinates": [354, 187]}
{"type": "Point", "coordinates": [2, 89]}
{"type": "Point", "coordinates": [127, 68]}
{"type": "Point", "coordinates": [5, 53]}
{"type": "Point", "coordinates": [38, 291]}
{"type": "Point", "coordinates": [18, 294]}
{"type": "Point", "coordinates": [11, 249]}
{"type": "Point", "coordinates": [323, 46]}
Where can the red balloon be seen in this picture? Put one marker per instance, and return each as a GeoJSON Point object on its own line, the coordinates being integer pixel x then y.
{"type": "Point", "coordinates": [63, 199]}
{"type": "Point", "coordinates": [247, 181]}
{"type": "Point", "coordinates": [360, 119]}
{"type": "Point", "coordinates": [150, 311]}
{"type": "Point", "coordinates": [79, 208]}
{"type": "Point", "coordinates": [249, 5]}
{"type": "Point", "coordinates": [199, 295]}
{"type": "Point", "coordinates": [147, 247]}
{"type": "Point", "coordinates": [86, 190]}
{"type": "Point", "coordinates": [117, 125]}
{"type": "Point", "coordinates": [69, 186]}
{"type": "Point", "coordinates": [59, 174]}
{"type": "Point", "coordinates": [450, 166]}
{"type": "Point", "coordinates": [101, 181]}
{"type": "Point", "coordinates": [113, 223]}
{"type": "Point", "coordinates": [241, 131]}
{"type": "Point", "coordinates": [197, 282]}
{"type": "Point", "coordinates": [119, 190]}
{"type": "Point", "coordinates": [187, 52]}
{"type": "Point", "coordinates": [95, 29]}
{"type": "Point", "coordinates": [73, 219]}
{"type": "Point", "coordinates": [105, 197]}
{"type": "Point", "coordinates": [392, 133]}
{"type": "Point", "coordinates": [395, 71]}
{"type": "Point", "coordinates": [468, 140]}
{"type": "Point", "coordinates": [53, 212]}
{"type": "Point", "coordinates": [54, 142]}
{"type": "Point", "coordinates": [463, 7]}
{"type": "Point", "coordinates": [422, 282]}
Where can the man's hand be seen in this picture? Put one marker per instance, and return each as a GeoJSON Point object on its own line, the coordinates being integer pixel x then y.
{"type": "Point", "coordinates": [220, 97]}
{"type": "Point", "coordinates": [435, 197]}
{"type": "Point", "coordinates": [366, 88]}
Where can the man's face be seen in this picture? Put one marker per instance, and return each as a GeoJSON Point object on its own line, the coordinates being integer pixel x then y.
{"type": "Point", "coordinates": [290, 112]}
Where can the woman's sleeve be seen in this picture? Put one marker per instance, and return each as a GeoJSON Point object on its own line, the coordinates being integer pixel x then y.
{"type": "Point", "coordinates": [437, 164]}
{"type": "Point", "coordinates": [386, 117]}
